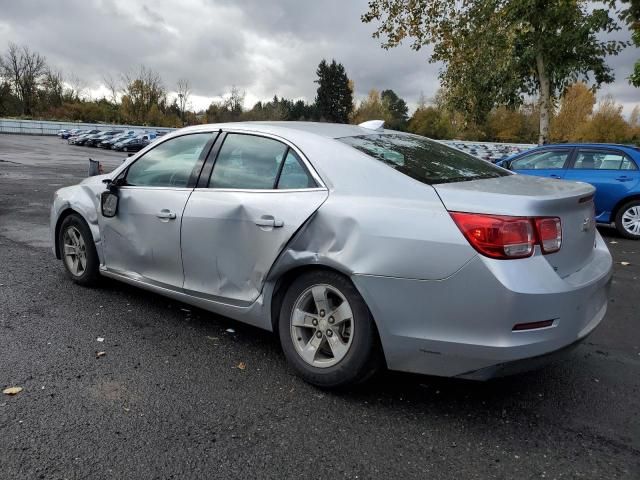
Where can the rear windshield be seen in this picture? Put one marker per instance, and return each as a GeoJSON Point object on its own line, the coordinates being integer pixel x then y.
{"type": "Point", "coordinates": [422, 159]}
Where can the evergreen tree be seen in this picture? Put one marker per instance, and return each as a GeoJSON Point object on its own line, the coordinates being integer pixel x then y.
{"type": "Point", "coordinates": [334, 100]}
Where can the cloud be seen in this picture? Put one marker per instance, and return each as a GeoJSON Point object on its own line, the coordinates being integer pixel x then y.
{"type": "Point", "coordinates": [263, 48]}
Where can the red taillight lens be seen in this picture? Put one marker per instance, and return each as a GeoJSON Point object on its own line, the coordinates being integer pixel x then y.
{"type": "Point", "coordinates": [497, 236]}
{"type": "Point", "coordinates": [549, 234]}
{"type": "Point", "coordinates": [504, 237]}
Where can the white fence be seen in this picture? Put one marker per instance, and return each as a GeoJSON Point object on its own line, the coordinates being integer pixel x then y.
{"type": "Point", "coordinates": [34, 127]}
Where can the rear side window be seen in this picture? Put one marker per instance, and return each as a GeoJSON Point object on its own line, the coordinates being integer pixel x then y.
{"type": "Point", "coordinates": [294, 174]}
{"type": "Point", "coordinates": [423, 159]}
{"type": "Point", "coordinates": [547, 160]}
{"type": "Point", "coordinates": [247, 162]}
{"type": "Point", "coordinates": [594, 160]}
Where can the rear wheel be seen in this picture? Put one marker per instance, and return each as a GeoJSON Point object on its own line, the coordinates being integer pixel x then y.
{"type": "Point", "coordinates": [78, 251]}
{"type": "Point", "coordinates": [327, 332]}
{"type": "Point", "coordinates": [628, 220]}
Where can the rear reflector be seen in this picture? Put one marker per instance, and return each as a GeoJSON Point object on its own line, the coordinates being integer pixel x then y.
{"type": "Point", "coordinates": [504, 237]}
{"type": "Point", "coordinates": [532, 325]}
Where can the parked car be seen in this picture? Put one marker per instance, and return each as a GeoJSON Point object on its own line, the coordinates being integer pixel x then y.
{"type": "Point", "coordinates": [81, 137]}
{"type": "Point", "coordinates": [132, 144]}
{"type": "Point", "coordinates": [82, 140]}
{"type": "Point", "coordinates": [71, 133]}
{"type": "Point", "coordinates": [362, 247]}
{"type": "Point", "coordinates": [612, 169]}
{"type": "Point", "coordinates": [94, 141]}
{"type": "Point", "coordinates": [107, 143]}
{"type": "Point", "coordinates": [62, 132]}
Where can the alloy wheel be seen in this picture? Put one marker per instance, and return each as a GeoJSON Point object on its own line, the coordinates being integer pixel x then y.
{"type": "Point", "coordinates": [75, 251]}
{"type": "Point", "coordinates": [631, 220]}
{"type": "Point", "coordinates": [322, 326]}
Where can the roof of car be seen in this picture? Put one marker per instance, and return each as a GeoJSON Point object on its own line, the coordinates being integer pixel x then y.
{"type": "Point", "coordinates": [328, 130]}
{"type": "Point", "coordinates": [582, 145]}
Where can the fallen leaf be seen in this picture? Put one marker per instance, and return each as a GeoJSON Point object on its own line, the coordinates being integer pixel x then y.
{"type": "Point", "coordinates": [626, 264]}
{"type": "Point", "coordinates": [100, 354]}
{"type": "Point", "coordinates": [242, 365]}
{"type": "Point", "coordinates": [99, 339]}
{"type": "Point", "coordinates": [230, 330]}
{"type": "Point", "coordinates": [613, 242]}
{"type": "Point", "coordinates": [12, 390]}
{"type": "Point", "coordinates": [211, 338]}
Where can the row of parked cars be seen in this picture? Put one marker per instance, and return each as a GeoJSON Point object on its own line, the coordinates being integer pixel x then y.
{"type": "Point", "coordinates": [120, 140]}
{"type": "Point", "coordinates": [491, 152]}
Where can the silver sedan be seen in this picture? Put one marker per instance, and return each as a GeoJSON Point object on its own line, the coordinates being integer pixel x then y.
{"type": "Point", "coordinates": [361, 247]}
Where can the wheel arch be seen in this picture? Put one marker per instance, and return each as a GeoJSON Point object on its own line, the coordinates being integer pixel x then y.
{"type": "Point", "coordinates": [286, 278]}
{"type": "Point", "coordinates": [61, 217]}
{"type": "Point", "coordinates": [621, 203]}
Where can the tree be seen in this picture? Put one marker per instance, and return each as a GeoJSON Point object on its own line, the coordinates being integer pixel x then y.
{"type": "Point", "coordinates": [576, 105]}
{"type": "Point", "coordinates": [372, 108]}
{"type": "Point", "coordinates": [142, 90]}
{"type": "Point", "coordinates": [184, 92]}
{"type": "Point", "coordinates": [334, 99]}
{"type": "Point", "coordinates": [113, 85]}
{"type": "Point", "coordinates": [23, 70]}
{"type": "Point", "coordinates": [501, 51]}
{"type": "Point", "coordinates": [631, 15]}
{"type": "Point", "coordinates": [230, 109]}
{"type": "Point", "coordinates": [431, 122]}
{"type": "Point", "coordinates": [397, 108]}
{"type": "Point", "coordinates": [606, 125]}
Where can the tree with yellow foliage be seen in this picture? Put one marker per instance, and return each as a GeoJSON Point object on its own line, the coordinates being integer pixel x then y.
{"type": "Point", "coordinates": [576, 106]}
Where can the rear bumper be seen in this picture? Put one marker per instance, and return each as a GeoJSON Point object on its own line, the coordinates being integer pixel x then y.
{"type": "Point", "coordinates": [462, 326]}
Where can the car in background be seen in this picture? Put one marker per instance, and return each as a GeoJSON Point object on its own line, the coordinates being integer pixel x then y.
{"type": "Point", "coordinates": [81, 136]}
{"type": "Point", "coordinates": [70, 133]}
{"type": "Point", "coordinates": [94, 141]}
{"type": "Point", "coordinates": [82, 140]}
{"type": "Point", "coordinates": [133, 144]}
{"type": "Point", "coordinates": [108, 142]}
{"type": "Point", "coordinates": [431, 262]}
{"type": "Point", "coordinates": [613, 169]}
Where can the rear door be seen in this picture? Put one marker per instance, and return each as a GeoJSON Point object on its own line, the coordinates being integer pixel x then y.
{"type": "Point", "coordinates": [611, 171]}
{"type": "Point", "coordinates": [550, 162]}
{"type": "Point", "coordinates": [258, 194]}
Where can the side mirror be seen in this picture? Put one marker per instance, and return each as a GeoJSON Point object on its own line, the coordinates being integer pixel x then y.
{"type": "Point", "coordinates": [109, 204]}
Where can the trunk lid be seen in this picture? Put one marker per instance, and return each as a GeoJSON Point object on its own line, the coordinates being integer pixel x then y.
{"type": "Point", "coordinates": [527, 196]}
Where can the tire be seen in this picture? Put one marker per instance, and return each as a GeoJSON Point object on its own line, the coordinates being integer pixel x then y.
{"type": "Point", "coordinates": [627, 220]}
{"type": "Point", "coordinates": [355, 355]}
{"type": "Point", "coordinates": [125, 149]}
{"type": "Point", "coordinates": [74, 232]}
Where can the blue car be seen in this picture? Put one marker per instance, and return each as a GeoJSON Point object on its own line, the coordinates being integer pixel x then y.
{"type": "Point", "coordinates": [612, 169]}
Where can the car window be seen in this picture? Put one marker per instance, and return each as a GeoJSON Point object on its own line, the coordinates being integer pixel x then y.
{"type": "Point", "coordinates": [549, 159]}
{"type": "Point", "coordinates": [169, 164]}
{"type": "Point", "coordinates": [294, 174]}
{"type": "Point", "coordinates": [248, 162]}
{"type": "Point", "coordinates": [594, 160]}
{"type": "Point", "coordinates": [422, 159]}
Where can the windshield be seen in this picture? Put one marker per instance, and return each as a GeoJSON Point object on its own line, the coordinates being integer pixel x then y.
{"type": "Point", "coordinates": [423, 159]}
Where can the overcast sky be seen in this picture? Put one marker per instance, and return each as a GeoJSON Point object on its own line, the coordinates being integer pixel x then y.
{"type": "Point", "coordinates": [262, 47]}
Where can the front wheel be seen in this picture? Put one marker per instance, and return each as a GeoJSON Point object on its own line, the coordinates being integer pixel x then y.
{"type": "Point", "coordinates": [78, 251]}
{"type": "Point", "coordinates": [327, 332]}
{"type": "Point", "coordinates": [628, 220]}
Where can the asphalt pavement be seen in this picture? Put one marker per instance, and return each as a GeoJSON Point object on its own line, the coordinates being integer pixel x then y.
{"type": "Point", "coordinates": [183, 393]}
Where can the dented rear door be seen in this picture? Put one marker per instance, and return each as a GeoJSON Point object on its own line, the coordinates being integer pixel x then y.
{"type": "Point", "coordinates": [234, 228]}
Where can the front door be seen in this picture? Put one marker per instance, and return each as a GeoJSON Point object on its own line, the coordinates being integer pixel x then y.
{"type": "Point", "coordinates": [143, 239]}
{"type": "Point", "coordinates": [259, 194]}
{"type": "Point", "coordinates": [543, 163]}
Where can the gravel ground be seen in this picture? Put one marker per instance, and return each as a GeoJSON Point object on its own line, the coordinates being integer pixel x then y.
{"type": "Point", "coordinates": [168, 399]}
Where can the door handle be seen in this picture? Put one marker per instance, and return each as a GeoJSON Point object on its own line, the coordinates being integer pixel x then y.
{"type": "Point", "coordinates": [624, 178]}
{"type": "Point", "coordinates": [165, 214]}
{"type": "Point", "coordinates": [269, 221]}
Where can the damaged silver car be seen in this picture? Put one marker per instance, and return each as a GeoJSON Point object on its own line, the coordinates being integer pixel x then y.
{"type": "Point", "coordinates": [361, 247]}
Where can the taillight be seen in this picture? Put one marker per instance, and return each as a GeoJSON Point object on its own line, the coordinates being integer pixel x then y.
{"type": "Point", "coordinates": [549, 234]}
{"type": "Point", "coordinates": [504, 237]}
